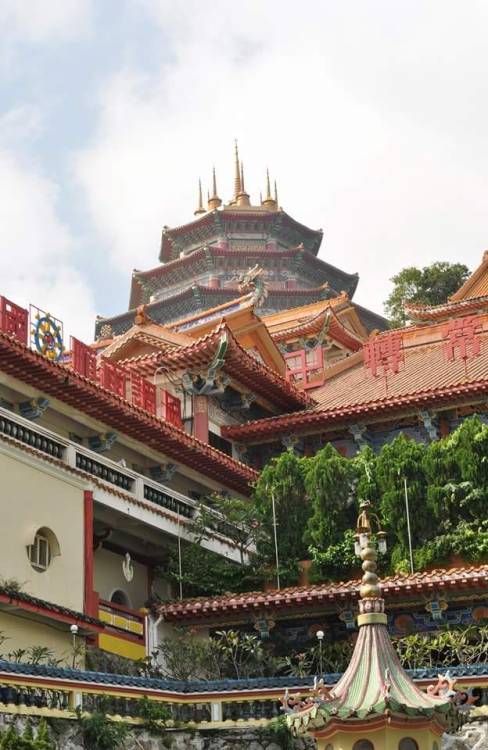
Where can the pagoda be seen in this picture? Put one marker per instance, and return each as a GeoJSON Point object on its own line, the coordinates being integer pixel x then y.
{"type": "Point", "coordinates": [230, 249]}
{"type": "Point", "coordinates": [375, 705]}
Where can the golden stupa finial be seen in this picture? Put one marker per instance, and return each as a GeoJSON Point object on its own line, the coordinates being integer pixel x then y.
{"type": "Point", "coordinates": [371, 604]}
{"type": "Point", "coordinates": [276, 194]}
{"type": "Point", "coordinates": [213, 200]}
{"type": "Point", "coordinates": [237, 172]}
{"type": "Point", "coordinates": [269, 202]}
{"type": "Point", "coordinates": [242, 198]}
{"type": "Point", "coordinates": [200, 209]}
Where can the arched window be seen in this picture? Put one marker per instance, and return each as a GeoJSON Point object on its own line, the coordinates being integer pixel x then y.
{"type": "Point", "coordinates": [120, 597]}
{"type": "Point", "coordinates": [407, 743]}
{"type": "Point", "coordinates": [44, 547]}
{"type": "Point", "coordinates": [363, 745]}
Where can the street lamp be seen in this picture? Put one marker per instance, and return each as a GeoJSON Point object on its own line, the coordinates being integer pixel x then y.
{"type": "Point", "coordinates": [74, 633]}
{"type": "Point", "coordinates": [320, 637]}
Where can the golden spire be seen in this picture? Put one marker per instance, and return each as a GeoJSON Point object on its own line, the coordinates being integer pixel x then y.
{"type": "Point", "coordinates": [276, 194]}
{"type": "Point", "coordinates": [242, 198]}
{"type": "Point", "coordinates": [200, 209]}
{"type": "Point", "coordinates": [269, 202]}
{"type": "Point", "coordinates": [237, 172]}
{"type": "Point", "coordinates": [214, 201]}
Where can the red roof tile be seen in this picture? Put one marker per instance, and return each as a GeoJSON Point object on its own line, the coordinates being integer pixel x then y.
{"type": "Point", "coordinates": [58, 381]}
{"type": "Point", "coordinates": [239, 363]}
{"type": "Point", "coordinates": [453, 579]}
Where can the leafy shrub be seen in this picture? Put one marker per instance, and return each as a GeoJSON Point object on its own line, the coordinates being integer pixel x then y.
{"type": "Point", "coordinates": [101, 733]}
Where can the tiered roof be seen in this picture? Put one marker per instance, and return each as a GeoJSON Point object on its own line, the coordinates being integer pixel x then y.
{"type": "Point", "coordinates": [217, 224]}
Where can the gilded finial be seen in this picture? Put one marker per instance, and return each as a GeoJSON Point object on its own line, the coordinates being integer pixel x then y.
{"type": "Point", "coordinates": [276, 194]}
{"type": "Point", "coordinates": [214, 201]}
{"type": "Point", "coordinates": [242, 198]}
{"type": "Point", "coordinates": [200, 209]}
{"type": "Point", "coordinates": [237, 172]}
{"type": "Point", "coordinates": [269, 202]}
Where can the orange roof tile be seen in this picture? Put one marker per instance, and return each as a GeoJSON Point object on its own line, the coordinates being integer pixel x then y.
{"type": "Point", "coordinates": [476, 285]}
{"type": "Point", "coordinates": [351, 390]}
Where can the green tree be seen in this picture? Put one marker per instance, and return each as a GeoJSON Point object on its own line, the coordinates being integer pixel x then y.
{"type": "Point", "coordinates": [284, 480]}
{"type": "Point", "coordinates": [329, 481]}
{"type": "Point", "coordinates": [431, 285]}
{"type": "Point", "coordinates": [399, 460]}
{"type": "Point", "coordinates": [457, 474]}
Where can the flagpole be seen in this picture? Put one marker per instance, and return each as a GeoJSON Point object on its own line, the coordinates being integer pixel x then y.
{"type": "Point", "coordinates": [408, 525]}
{"type": "Point", "coordinates": [275, 542]}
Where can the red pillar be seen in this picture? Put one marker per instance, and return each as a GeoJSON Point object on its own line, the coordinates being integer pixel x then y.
{"type": "Point", "coordinates": [90, 599]}
{"type": "Point", "coordinates": [200, 418]}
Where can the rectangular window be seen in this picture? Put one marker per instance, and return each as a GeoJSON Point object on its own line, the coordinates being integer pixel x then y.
{"type": "Point", "coordinates": [303, 367]}
{"type": "Point", "coordinates": [39, 553]}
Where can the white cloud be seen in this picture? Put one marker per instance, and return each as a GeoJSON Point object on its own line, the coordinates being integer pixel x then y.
{"type": "Point", "coordinates": [40, 21]}
{"type": "Point", "coordinates": [36, 248]}
{"type": "Point", "coordinates": [372, 115]}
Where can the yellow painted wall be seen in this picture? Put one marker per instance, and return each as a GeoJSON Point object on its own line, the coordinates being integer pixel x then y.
{"type": "Point", "coordinates": [31, 499]}
{"type": "Point", "coordinates": [108, 577]}
{"type": "Point", "coordinates": [382, 739]}
{"type": "Point", "coordinates": [23, 633]}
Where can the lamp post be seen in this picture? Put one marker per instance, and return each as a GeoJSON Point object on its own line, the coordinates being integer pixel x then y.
{"type": "Point", "coordinates": [74, 633]}
{"type": "Point", "coordinates": [320, 637]}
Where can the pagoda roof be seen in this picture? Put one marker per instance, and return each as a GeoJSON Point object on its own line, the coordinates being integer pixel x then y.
{"type": "Point", "coordinates": [375, 685]}
{"type": "Point", "coordinates": [60, 382]}
{"type": "Point", "coordinates": [198, 260]}
{"type": "Point", "coordinates": [238, 363]}
{"type": "Point", "coordinates": [166, 310]}
{"type": "Point", "coordinates": [351, 393]}
{"type": "Point", "coordinates": [216, 223]}
{"type": "Point", "coordinates": [323, 595]}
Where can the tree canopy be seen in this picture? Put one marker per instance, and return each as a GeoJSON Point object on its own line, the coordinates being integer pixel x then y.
{"type": "Point", "coordinates": [431, 285]}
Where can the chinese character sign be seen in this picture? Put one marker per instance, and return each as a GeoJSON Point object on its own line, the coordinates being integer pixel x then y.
{"type": "Point", "coordinates": [384, 352]}
{"type": "Point", "coordinates": [462, 338]}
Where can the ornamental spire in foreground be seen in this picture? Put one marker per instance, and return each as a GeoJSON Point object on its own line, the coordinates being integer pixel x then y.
{"type": "Point", "coordinates": [375, 705]}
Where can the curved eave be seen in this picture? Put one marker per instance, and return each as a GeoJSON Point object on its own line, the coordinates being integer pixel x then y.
{"type": "Point", "coordinates": [311, 421]}
{"type": "Point", "coordinates": [90, 398]}
{"type": "Point", "coordinates": [216, 218]}
{"type": "Point", "coordinates": [238, 363]}
{"type": "Point", "coordinates": [436, 313]}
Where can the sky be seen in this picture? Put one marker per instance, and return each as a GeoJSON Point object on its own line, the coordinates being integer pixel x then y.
{"type": "Point", "coordinates": [372, 115]}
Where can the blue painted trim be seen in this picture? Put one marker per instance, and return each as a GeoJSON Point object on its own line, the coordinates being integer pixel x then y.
{"type": "Point", "coordinates": [207, 686]}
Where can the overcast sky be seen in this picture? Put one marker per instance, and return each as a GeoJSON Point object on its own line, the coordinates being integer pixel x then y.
{"type": "Point", "coordinates": [371, 114]}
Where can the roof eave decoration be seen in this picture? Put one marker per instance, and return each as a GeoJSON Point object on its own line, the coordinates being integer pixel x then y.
{"type": "Point", "coordinates": [209, 382]}
{"type": "Point", "coordinates": [236, 363]}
